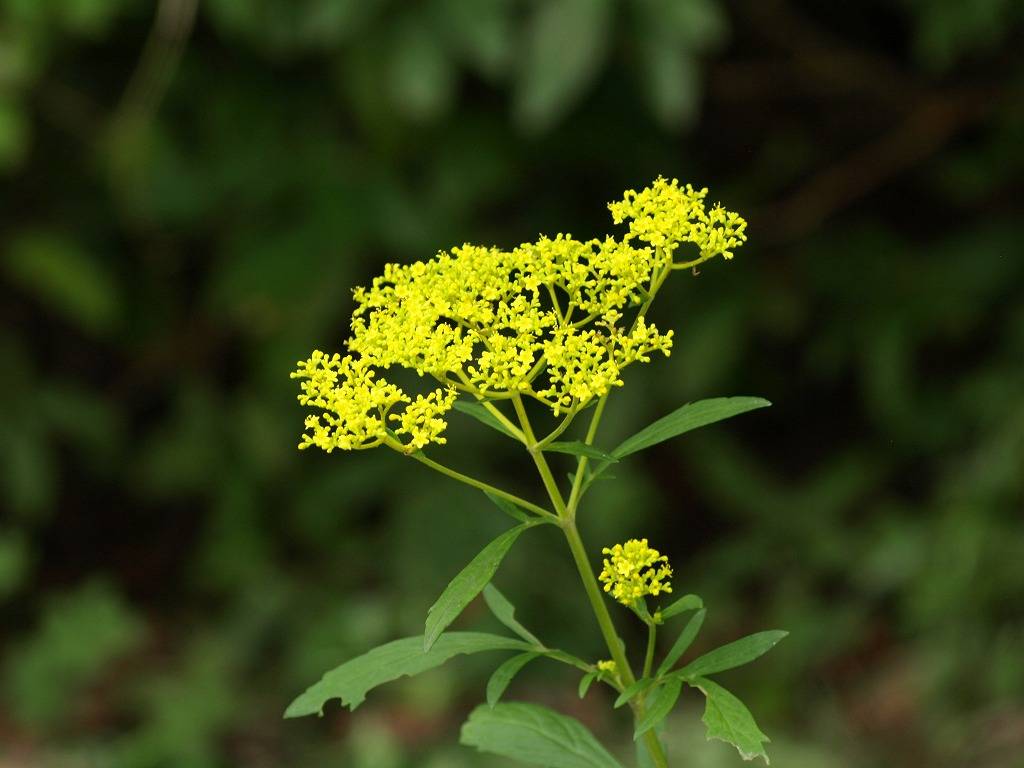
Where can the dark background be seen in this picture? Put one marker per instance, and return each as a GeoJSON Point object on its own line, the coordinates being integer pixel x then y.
{"type": "Point", "coordinates": [188, 195]}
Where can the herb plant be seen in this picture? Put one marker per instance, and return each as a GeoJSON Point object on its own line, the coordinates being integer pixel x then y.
{"type": "Point", "coordinates": [543, 330]}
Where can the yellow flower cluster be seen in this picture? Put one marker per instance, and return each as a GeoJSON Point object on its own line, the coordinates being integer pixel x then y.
{"type": "Point", "coordinates": [545, 320]}
{"type": "Point", "coordinates": [607, 666]}
{"type": "Point", "coordinates": [635, 570]}
{"type": "Point", "coordinates": [665, 215]}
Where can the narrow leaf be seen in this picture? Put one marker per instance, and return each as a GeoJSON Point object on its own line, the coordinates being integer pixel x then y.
{"type": "Point", "coordinates": [503, 675]}
{"type": "Point", "coordinates": [683, 604]}
{"type": "Point", "coordinates": [534, 734]}
{"type": "Point", "coordinates": [728, 720]}
{"type": "Point", "coordinates": [467, 585]}
{"type": "Point", "coordinates": [658, 706]}
{"type": "Point", "coordinates": [577, 448]}
{"type": "Point", "coordinates": [508, 508]}
{"type": "Point", "coordinates": [638, 686]}
{"type": "Point", "coordinates": [735, 654]}
{"type": "Point", "coordinates": [683, 642]}
{"type": "Point", "coordinates": [689, 417]}
{"type": "Point", "coordinates": [505, 612]}
{"type": "Point", "coordinates": [586, 681]}
{"type": "Point", "coordinates": [482, 415]}
{"type": "Point", "coordinates": [400, 658]}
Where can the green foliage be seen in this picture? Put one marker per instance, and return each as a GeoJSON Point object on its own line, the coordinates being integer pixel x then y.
{"type": "Point", "coordinates": [735, 654]}
{"type": "Point", "coordinates": [536, 735]}
{"type": "Point", "coordinates": [729, 720]}
{"type": "Point", "coordinates": [400, 658]}
{"type": "Point", "coordinates": [505, 612]}
{"type": "Point", "coordinates": [683, 642]}
{"type": "Point", "coordinates": [577, 448]}
{"type": "Point", "coordinates": [659, 704]}
{"type": "Point", "coordinates": [689, 417]}
{"type": "Point", "coordinates": [467, 585]}
{"type": "Point", "coordinates": [682, 605]}
{"type": "Point", "coordinates": [503, 675]}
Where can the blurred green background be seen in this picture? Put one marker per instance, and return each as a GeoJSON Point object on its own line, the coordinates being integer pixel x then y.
{"type": "Point", "coordinates": [189, 191]}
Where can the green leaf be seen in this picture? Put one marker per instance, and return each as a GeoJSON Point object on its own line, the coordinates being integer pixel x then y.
{"type": "Point", "coordinates": [505, 612]}
{"type": "Point", "coordinates": [482, 415]}
{"type": "Point", "coordinates": [508, 508]}
{"type": "Point", "coordinates": [728, 720]}
{"type": "Point", "coordinates": [535, 734]}
{"type": "Point", "coordinates": [683, 604]}
{"type": "Point", "coordinates": [503, 675]}
{"type": "Point", "coordinates": [586, 681]}
{"type": "Point", "coordinates": [658, 706]}
{"type": "Point", "coordinates": [638, 686]}
{"type": "Point", "coordinates": [689, 417]}
{"type": "Point", "coordinates": [400, 658]}
{"type": "Point", "coordinates": [555, 75]}
{"type": "Point", "coordinates": [467, 584]}
{"type": "Point", "coordinates": [577, 448]}
{"type": "Point", "coordinates": [735, 654]}
{"type": "Point", "coordinates": [683, 642]}
{"type": "Point", "coordinates": [671, 80]}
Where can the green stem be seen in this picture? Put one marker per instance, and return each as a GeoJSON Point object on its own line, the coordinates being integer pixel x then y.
{"type": "Point", "coordinates": [537, 510]}
{"type": "Point", "coordinates": [652, 631]}
{"type": "Point", "coordinates": [611, 638]}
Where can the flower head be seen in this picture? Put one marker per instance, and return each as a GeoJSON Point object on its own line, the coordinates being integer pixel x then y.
{"type": "Point", "coordinates": [634, 570]}
{"type": "Point", "coordinates": [553, 320]}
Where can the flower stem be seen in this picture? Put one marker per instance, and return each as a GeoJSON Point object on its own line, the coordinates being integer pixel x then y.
{"type": "Point", "coordinates": [649, 658]}
{"type": "Point", "coordinates": [537, 510]}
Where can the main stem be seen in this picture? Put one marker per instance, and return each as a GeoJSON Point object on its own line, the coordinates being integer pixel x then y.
{"type": "Point", "coordinates": [579, 554]}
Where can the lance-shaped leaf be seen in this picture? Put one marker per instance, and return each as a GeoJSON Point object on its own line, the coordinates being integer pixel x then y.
{"type": "Point", "coordinates": [400, 658]}
{"type": "Point", "coordinates": [508, 507]}
{"type": "Point", "coordinates": [689, 417]}
{"type": "Point", "coordinates": [638, 686]}
{"type": "Point", "coordinates": [503, 675]}
{"type": "Point", "coordinates": [505, 612]}
{"type": "Point", "coordinates": [577, 448]}
{"type": "Point", "coordinates": [467, 585]}
{"type": "Point", "coordinates": [658, 706]}
{"type": "Point", "coordinates": [585, 682]}
{"type": "Point", "coordinates": [683, 604]}
{"type": "Point", "coordinates": [735, 654]}
{"type": "Point", "coordinates": [683, 642]}
{"type": "Point", "coordinates": [728, 720]}
{"type": "Point", "coordinates": [534, 734]}
{"type": "Point", "coordinates": [482, 415]}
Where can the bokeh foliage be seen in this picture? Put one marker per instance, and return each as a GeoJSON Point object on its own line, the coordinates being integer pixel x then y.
{"type": "Point", "coordinates": [190, 191]}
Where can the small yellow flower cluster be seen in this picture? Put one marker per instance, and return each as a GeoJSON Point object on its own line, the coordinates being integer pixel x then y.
{"type": "Point", "coordinates": [635, 570]}
{"type": "Point", "coordinates": [608, 667]}
{"type": "Point", "coordinates": [665, 215]}
{"type": "Point", "coordinates": [545, 320]}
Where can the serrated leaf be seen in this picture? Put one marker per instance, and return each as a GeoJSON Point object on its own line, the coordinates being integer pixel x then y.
{"type": "Point", "coordinates": [503, 675]}
{"type": "Point", "coordinates": [585, 682]}
{"type": "Point", "coordinates": [400, 658]}
{"type": "Point", "coordinates": [555, 75]}
{"type": "Point", "coordinates": [638, 686]}
{"type": "Point", "coordinates": [729, 720]}
{"type": "Point", "coordinates": [683, 642]}
{"type": "Point", "coordinates": [577, 448]}
{"type": "Point", "coordinates": [467, 584]}
{"type": "Point", "coordinates": [508, 508]}
{"type": "Point", "coordinates": [691, 416]}
{"type": "Point", "coordinates": [505, 612]}
{"type": "Point", "coordinates": [658, 706]}
{"type": "Point", "coordinates": [683, 604]}
{"type": "Point", "coordinates": [735, 654]}
{"type": "Point", "coordinates": [482, 415]}
{"type": "Point", "coordinates": [534, 734]}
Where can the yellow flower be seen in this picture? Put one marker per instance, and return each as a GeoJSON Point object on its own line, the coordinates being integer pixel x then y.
{"type": "Point", "coordinates": [634, 570]}
{"type": "Point", "coordinates": [666, 215]}
{"type": "Point", "coordinates": [554, 320]}
{"type": "Point", "coordinates": [608, 667]}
